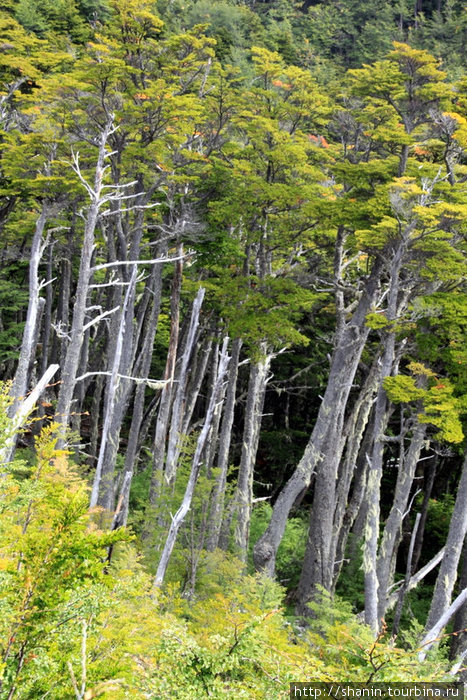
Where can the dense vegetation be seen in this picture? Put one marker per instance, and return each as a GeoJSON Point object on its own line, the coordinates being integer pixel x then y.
{"type": "Point", "coordinates": [232, 345]}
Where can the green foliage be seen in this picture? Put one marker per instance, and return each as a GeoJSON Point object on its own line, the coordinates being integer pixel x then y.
{"type": "Point", "coordinates": [254, 168]}
{"type": "Point", "coordinates": [351, 32]}
{"type": "Point", "coordinates": [441, 408]}
{"type": "Point", "coordinates": [63, 17]}
{"type": "Point", "coordinates": [51, 564]}
{"type": "Point", "coordinates": [12, 300]}
{"type": "Point", "coordinates": [345, 643]}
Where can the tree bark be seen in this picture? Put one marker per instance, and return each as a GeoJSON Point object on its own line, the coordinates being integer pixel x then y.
{"type": "Point", "coordinates": [217, 502]}
{"type": "Point", "coordinates": [346, 357]}
{"type": "Point", "coordinates": [393, 528]}
{"type": "Point", "coordinates": [138, 404]}
{"type": "Point", "coordinates": [354, 506]}
{"type": "Point", "coordinates": [432, 636]}
{"type": "Point", "coordinates": [459, 640]}
{"type": "Point", "coordinates": [428, 487]}
{"type": "Point", "coordinates": [350, 468]}
{"type": "Point", "coordinates": [173, 447]}
{"type": "Point", "coordinates": [162, 423]}
{"type": "Point", "coordinates": [448, 571]}
{"type": "Point", "coordinates": [253, 416]}
{"type": "Point", "coordinates": [28, 345]}
{"type": "Point", "coordinates": [102, 489]}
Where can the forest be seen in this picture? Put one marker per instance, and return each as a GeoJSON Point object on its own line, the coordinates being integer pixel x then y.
{"type": "Point", "coordinates": [233, 318]}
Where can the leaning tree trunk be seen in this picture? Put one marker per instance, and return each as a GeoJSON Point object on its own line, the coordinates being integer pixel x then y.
{"type": "Point", "coordinates": [448, 571]}
{"type": "Point", "coordinates": [162, 426]}
{"type": "Point", "coordinates": [459, 639]}
{"type": "Point", "coordinates": [381, 414]}
{"type": "Point", "coordinates": [428, 483]}
{"type": "Point", "coordinates": [370, 548]}
{"type": "Point", "coordinates": [47, 322]}
{"type": "Point", "coordinates": [353, 508]}
{"type": "Point", "coordinates": [202, 442]}
{"type": "Point", "coordinates": [344, 365]}
{"type": "Point", "coordinates": [318, 563]}
{"type": "Point", "coordinates": [349, 471]}
{"type": "Point", "coordinates": [132, 324]}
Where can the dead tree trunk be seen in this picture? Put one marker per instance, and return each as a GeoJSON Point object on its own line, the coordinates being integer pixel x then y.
{"type": "Point", "coordinates": [217, 503]}
{"type": "Point", "coordinates": [173, 447]}
{"type": "Point", "coordinates": [71, 363]}
{"type": "Point", "coordinates": [432, 636]}
{"type": "Point", "coordinates": [138, 404]}
{"type": "Point", "coordinates": [28, 345]}
{"type": "Point", "coordinates": [162, 423]}
{"type": "Point", "coordinates": [23, 409]}
{"type": "Point", "coordinates": [106, 490]}
{"type": "Point", "coordinates": [202, 442]}
{"type": "Point", "coordinates": [253, 417]}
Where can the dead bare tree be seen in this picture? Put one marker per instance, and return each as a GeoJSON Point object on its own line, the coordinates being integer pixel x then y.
{"type": "Point", "coordinates": [201, 445]}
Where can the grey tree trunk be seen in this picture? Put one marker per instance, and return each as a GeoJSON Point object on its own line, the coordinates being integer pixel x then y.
{"type": "Point", "coordinates": [23, 409]}
{"type": "Point", "coordinates": [349, 471]}
{"type": "Point", "coordinates": [448, 571]}
{"type": "Point", "coordinates": [201, 356]}
{"type": "Point", "coordinates": [370, 549]}
{"type": "Point", "coordinates": [381, 415]}
{"type": "Point", "coordinates": [143, 368]}
{"type": "Point", "coordinates": [71, 363]}
{"type": "Point", "coordinates": [429, 480]}
{"type": "Point", "coordinates": [392, 532]}
{"type": "Point", "coordinates": [318, 564]}
{"type": "Point", "coordinates": [404, 588]}
{"type": "Point", "coordinates": [253, 417]}
{"type": "Point", "coordinates": [28, 345]}
{"type": "Point", "coordinates": [162, 423]}
{"type": "Point", "coordinates": [432, 636]}
{"type": "Point", "coordinates": [60, 341]}
{"type": "Point", "coordinates": [202, 442]}
{"type": "Point", "coordinates": [173, 447]}
{"type": "Point", "coordinates": [102, 493]}
{"type": "Point", "coordinates": [218, 496]}
{"type": "Point", "coordinates": [47, 322]}
{"type": "Point", "coordinates": [95, 414]}
{"type": "Point", "coordinates": [416, 578]}
{"type": "Point", "coordinates": [354, 508]}
{"type": "Point", "coordinates": [351, 341]}
{"type": "Point", "coordinates": [459, 640]}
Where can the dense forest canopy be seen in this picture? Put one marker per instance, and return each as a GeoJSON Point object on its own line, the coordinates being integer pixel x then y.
{"type": "Point", "coordinates": [232, 345]}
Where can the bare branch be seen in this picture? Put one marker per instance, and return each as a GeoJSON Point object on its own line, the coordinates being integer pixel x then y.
{"type": "Point", "coordinates": [101, 316]}
{"type": "Point", "coordinates": [153, 261]}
